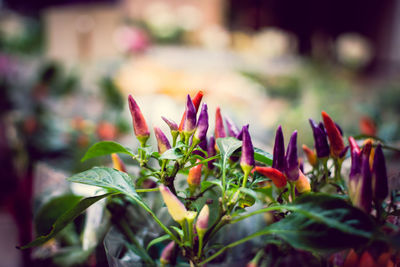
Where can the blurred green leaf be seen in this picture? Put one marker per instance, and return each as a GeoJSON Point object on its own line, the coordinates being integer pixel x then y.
{"type": "Point", "coordinates": [64, 220]}
{"type": "Point", "coordinates": [53, 209]}
{"type": "Point", "coordinates": [105, 148]}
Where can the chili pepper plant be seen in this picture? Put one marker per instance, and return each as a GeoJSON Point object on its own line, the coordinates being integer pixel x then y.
{"type": "Point", "coordinates": [322, 210]}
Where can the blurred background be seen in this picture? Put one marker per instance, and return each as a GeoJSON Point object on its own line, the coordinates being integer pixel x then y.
{"type": "Point", "coordinates": [67, 67]}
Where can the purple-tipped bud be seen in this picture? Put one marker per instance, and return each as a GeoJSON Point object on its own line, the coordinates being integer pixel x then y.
{"type": "Point", "coordinates": [355, 169]}
{"type": "Point", "coordinates": [202, 125]}
{"type": "Point", "coordinates": [219, 125]}
{"type": "Point", "coordinates": [162, 141]}
{"type": "Point", "coordinates": [278, 159]}
{"type": "Point", "coordinates": [139, 123]}
{"type": "Point", "coordinates": [232, 129]}
{"type": "Point", "coordinates": [239, 136]}
{"type": "Point", "coordinates": [291, 159]}
{"type": "Point", "coordinates": [171, 124]}
{"type": "Point", "coordinates": [247, 159]}
{"type": "Point", "coordinates": [167, 253]}
{"type": "Point", "coordinates": [320, 139]}
{"type": "Point", "coordinates": [189, 123]}
{"type": "Point", "coordinates": [211, 152]}
{"type": "Point", "coordinates": [379, 175]}
{"type": "Point", "coordinates": [202, 220]}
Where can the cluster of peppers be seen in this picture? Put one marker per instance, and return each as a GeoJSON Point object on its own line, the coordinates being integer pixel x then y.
{"type": "Point", "coordinates": [367, 180]}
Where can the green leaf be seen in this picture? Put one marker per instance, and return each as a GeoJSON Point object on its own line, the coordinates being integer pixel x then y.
{"type": "Point", "coordinates": [107, 178]}
{"type": "Point", "coordinates": [64, 220]}
{"type": "Point", "coordinates": [227, 146]}
{"type": "Point", "coordinates": [105, 148]}
{"type": "Point", "coordinates": [324, 223]}
{"type": "Point", "coordinates": [120, 182]}
{"type": "Point", "coordinates": [157, 240]}
{"type": "Point", "coordinates": [262, 156]}
{"type": "Point", "coordinates": [173, 153]}
{"type": "Point", "coordinates": [179, 231]}
{"type": "Point", "coordinates": [49, 212]}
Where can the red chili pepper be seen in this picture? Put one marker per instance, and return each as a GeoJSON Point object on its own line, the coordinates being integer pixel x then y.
{"type": "Point", "coordinates": [277, 177]}
{"type": "Point", "coordinates": [334, 136]}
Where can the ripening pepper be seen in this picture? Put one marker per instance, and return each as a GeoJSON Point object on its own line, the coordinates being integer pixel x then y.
{"type": "Point", "coordinates": [202, 125]}
{"type": "Point", "coordinates": [189, 122]}
{"type": "Point", "coordinates": [247, 158]}
{"type": "Point", "coordinates": [232, 129]}
{"type": "Point", "coordinates": [367, 126]}
{"type": "Point", "coordinates": [202, 220]}
{"type": "Point", "coordinates": [175, 208]}
{"type": "Point", "coordinates": [118, 164]}
{"type": "Point", "coordinates": [162, 141]}
{"type": "Point", "coordinates": [219, 125]}
{"type": "Point", "coordinates": [277, 177]}
{"type": "Point", "coordinates": [353, 145]}
{"type": "Point", "coordinates": [334, 135]}
{"type": "Point", "coordinates": [167, 253]}
{"type": "Point", "coordinates": [196, 102]}
{"type": "Point", "coordinates": [320, 139]}
{"type": "Point", "coordinates": [139, 123]}
{"type": "Point", "coordinates": [311, 155]}
{"type": "Point", "coordinates": [302, 184]}
{"type": "Point", "coordinates": [380, 187]}
{"type": "Point", "coordinates": [291, 159]}
{"type": "Point", "coordinates": [194, 177]}
{"type": "Point", "coordinates": [366, 260]}
{"type": "Point", "coordinates": [278, 159]}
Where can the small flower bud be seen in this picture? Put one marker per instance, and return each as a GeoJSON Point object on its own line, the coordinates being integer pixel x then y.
{"type": "Point", "coordinates": [311, 155]}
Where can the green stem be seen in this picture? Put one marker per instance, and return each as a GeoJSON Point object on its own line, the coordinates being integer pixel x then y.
{"type": "Point", "coordinates": [147, 190]}
{"type": "Point", "coordinates": [245, 177]}
{"type": "Point", "coordinates": [200, 245]}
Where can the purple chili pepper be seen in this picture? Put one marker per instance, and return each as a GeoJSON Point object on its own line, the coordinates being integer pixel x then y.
{"type": "Point", "coordinates": [239, 136]}
{"type": "Point", "coordinates": [232, 129]}
{"type": "Point", "coordinates": [278, 159]}
{"type": "Point", "coordinates": [292, 162]}
{"type": "Point", "coordinates": [189, 123]}
{"type": "Point", "coordinates": [202, 125]}
{"type": "Point", "coordinates": [162, 141]}
{"type": "Point", "coordinates": [171, 124]}
{"type": "Point", "coordinates": [379, 175]}
{"type": "Point", "coordinates": [366, 185]}
{"type": "Point", "coordinates": [247, 159]}
{"type": "Point", "coordinates": [202, 145]}
{"type": "Point", "coordinates": [320, 139]}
